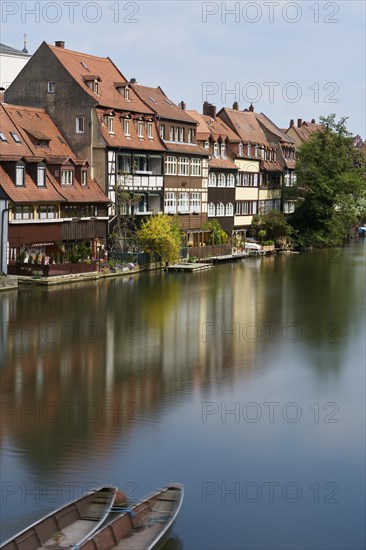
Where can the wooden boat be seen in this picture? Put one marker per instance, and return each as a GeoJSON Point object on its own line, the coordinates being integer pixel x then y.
{"type": "Point", "coordinates": [68, 526]}
{"type": "Point", "coordinates": [145, 526]}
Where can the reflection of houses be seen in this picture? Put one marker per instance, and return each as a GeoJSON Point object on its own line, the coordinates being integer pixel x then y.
{"type": "Point", "coordinates": [214, 136]}
{"type": "Point", "coordinates": [186, 170]}
{"type": "Point", "coordinates": [52, 202]}
{"type": "Point", "coordinates": [105, 121]}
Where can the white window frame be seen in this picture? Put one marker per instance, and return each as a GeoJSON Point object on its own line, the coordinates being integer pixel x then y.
{"type": "Point", "coordinates": [67, 177]}
{"type": "Point", "coordinates": [216, 150]}
{"type": "Point", "coordinates": [196, 167]}
{"type": "Point", "coordinates": [212, 179]}
{"type": "Point", "coordinates": [211, 210]}
{"type": "Point", "coordinates": [229, 209]}
{"type": "Point", "coordinates": [127, 93]}
{"type": "Point", "coordinates": [230, 180]}
{"type": "Point", "coordinates": [171, 133]}
{"type": "Point", "coordinates": [221, 180]}
{"type": "Point", "coordinates": [162, 131]}
{"type": "Point", "coordinates": [170, 166]}
{"type": "Point", "coordinates": [220, 209]}
{"type": "Point", "coordinates": [183, 166]}
{"type": "Point", "coordinates": [176, 133]}
{"type": "Point", "coordinates": [240, 149]}
{"type": "Point", "coordinates": [111, 124]}
{"type": "Point", "coordinates": [20, 174]}
{"type": "Point", "coordinates": [183, 202]}
{"type": "Point", "coordinates": [140, 127]}
{"type": "Point", "coordinates": [126, 126]}
{"type": "Point", "coordinates": [79, 124]}
{"type": "Point", "coordinates": [84, 177]}
{"type": "Point", "coordinates": [170, 202]}
{"type": "Point", "coordinates": [223, 150]}
{"type": "Point", "coordinates": [189, 136]}
{"type": "Point", "coordinates": [195, 203]}
{"type": "Point", "coordinates": [249, 149]}
{"type": "Point", "coordinates": [150, 130]}
{"type": "Point", "coordinates": [181, 134]}
{"type": "Point", "coordinates": [41, 175]}
{"type": "Point", "coordinates": [51, 87]}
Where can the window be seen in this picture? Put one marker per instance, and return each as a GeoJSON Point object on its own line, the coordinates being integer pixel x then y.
{"type": "Point", "coordinates": [162, 131]}
{"type": "Point", "coordinates": [84, 177]}
{"type": "Point", "coordinates": [171, 166]}
{"type": "Point", "coordinates": [289, 207]}
{"type": "Point", "coordinates": [51, 87]}
{"type": "Point", "coordinates": [19, 174]}
{"type": "Point", "coordinates": [229, 209]}
{"type": "Point", "coordinates": [256, 150]}
{"type": "Point", "coordinates": [207, 145]}
{"type": "Point", "coordinates": [140, 162]}
{"type": "Point", "coordinates": [3, 137]}
{"type": "Point", "coordinates": [240, 149]}
{"type": "Point", "coordinates": [223, 150]}
{"type": "Point", "coordinates": [96, 87]}
{"type": "Point", "coordinates": [212, 180]}
{"type": "Point", "coordinates": [139, 129]}
{"type": "Point", "coordinates": [220, 209]}
{"type": "Point", "coordinates": [183, 166]}
{"type": "Point", "coordinates": [44, 143]}
{"type": "Point", "coordinates": [183, 204]}
{"type": "Point", "coordinates": [41, 175]}
{"type": "Point", "coordinates": [124, 163]}
{"type": "Point", "coordinates": [216, 149]}
{"type": "Point", "coordinates": [127, 93]}
{"type": "Point", "coordinates": [189, 138]}
{"type": "Point", "coordinates": [155, 165]}
{"type": "Point", "coordinates": [171, 133]}
{"type": "Point", "coordinates": [293, 178]}
{"type": "Point", "coordinates": [47, 212]}
{"type": "Point", "coordinates": [66, 177]}
{"type": "Point", "coordinates": [110, 125]}
{"type": "Point", "coordinates": [221, 180]}
{"type": "Point", "coordinates": [230, 181]}
{"type": "Point", "coordinates": [181, 134]}
{"type": "Point", "coordinates": [287, 179]}
{"type": "Point", "coordinates": [249, 149]}
{"type": "Point", "coordinates": [195, 203]}
{"type": "Point", "coordinates": [79, 124]}
{"type": "Point", "coordinates": [246, 208]}
{"type": "Point", "coordinates": [149, 130]}
{"type": "Point", "coordinates": [195, 167]}
{"type": "Point", "coordinates": [211, 209]}
{"type": "Point", "coordinates": [170, 205]}
{"type": "Point", "coordinates": [22, 213]}
{"type": "Point", "coordinates": [126, 126]}
{"type": "Point", "coordinates": [176, 133]}
{"type": "Point", "coordinates": [15, 137]}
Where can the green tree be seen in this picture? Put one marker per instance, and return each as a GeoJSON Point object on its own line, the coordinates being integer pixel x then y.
{"type": "Point", "coordinates": [331, 186]}
{"type": "Point", "coordinates": [161, 234]}
{"type": "Point", "coordinates": [275, 227]}
{"type": "Point", "coordinates": [218, 235]}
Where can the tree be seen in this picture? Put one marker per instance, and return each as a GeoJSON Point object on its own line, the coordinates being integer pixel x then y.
{"type": "Point", "coordinates": [218, 235]}
{"type": "Point", "coordinates": [331, 184]}
{"type": "Point", "coordinates": [275, 227]}
{"type": "Point", "coordinates": [161, 234]}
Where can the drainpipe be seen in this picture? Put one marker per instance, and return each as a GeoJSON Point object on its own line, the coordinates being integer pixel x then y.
{"type": "Point", "coordinates": [2, 243]}
{"type": "Point", "coordinates": [91, 144]}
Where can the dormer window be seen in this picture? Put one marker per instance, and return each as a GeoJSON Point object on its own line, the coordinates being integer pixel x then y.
{"type": "Point", "coordinates": [256, 150]}
{"type": "Point", "coordinates": [19, 174]}
{"type": "Point", "coordinates": [41, 175]}
{"type": "Point", "coordinates": [162, 131]}
{"type": "Point", "coordinates": [189, 138]}
{"type": "Point", "coordinates": [84, 177]}
{"type": "Point", "coordinates": [223, 150]}
{"type": "Point", "coordinates": [249, 150]}
{"type": "Point", "coordinates": [171, 133]}
{"type": "Point", "coordinates": [127, 93]}
{"type": "Point", "coordinates": [240, 149]}
{"type": "Point", "coordinates": [207, 145]}
{"type": "Point", "coordinates": [126, 126]}
{"type": "Point", "coordinates": [149, 130]}
{"type": "Point", "coordinates": [216, 149]}
{"type": "Point", "coordinates": [181, 134]}
{"type": "Point", "coordinates": [44, 143]}
{"type": "Point", "coordinates": [176, 134]}
{"type": "Point", "coordinates": [67, 177]}
{"type": "Point", "coordinates": [110, 125]}
{"type": "Point", "coordinates": [140, 126]}
{"type": "Point", "coordinates": [96, 87]}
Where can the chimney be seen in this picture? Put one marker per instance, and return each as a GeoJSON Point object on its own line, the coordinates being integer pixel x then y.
{"type": "Point", "coordinates": [209, 110]}
{"type": "Point", "coordinates": [313, 121]}
{"type": "Point", "coordinates": [292, 122]}
{"type": "Point", "coordinates": [60, 44]}
{"type": "Point", "coordinates": [236, 106]}
{"type": "Point", "coordinates": [251, 108]}
{"type": "Point", "coordinates": [299, 122]}
{"type": "Point", "coordinates": [133, 81]}
{"type": "Point", "coordinates": [182, 105]}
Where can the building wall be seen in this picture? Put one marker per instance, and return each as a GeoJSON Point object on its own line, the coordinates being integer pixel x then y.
{"type": "Point", "coordinates": [10, 67]}
{"type": "Point", "coordinates": [3, 235]}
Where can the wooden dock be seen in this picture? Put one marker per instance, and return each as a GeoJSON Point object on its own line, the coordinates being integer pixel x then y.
{"type": "Point", "coordinates": [190, 268]}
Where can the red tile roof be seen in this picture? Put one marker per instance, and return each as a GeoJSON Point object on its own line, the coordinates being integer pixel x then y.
{"type": "Point", "coordinates": [222, 163]}
{"type": "Point", "coordinates": [245, 125]}
{"type": "Point", "coordinates": [119, 139]}
{"type": "Point", "coordinates": [207, 127]}
{"type": "Point", "coordinates": [30, 193]}
{"type": "Point", "coordinates": [79, 65]}
{"type": "Point", "coordinates": [156, 99]}
{"type": "Point", "coordinates": [271, 126]}
{"type": "Point", "coordinates": [186, 148]}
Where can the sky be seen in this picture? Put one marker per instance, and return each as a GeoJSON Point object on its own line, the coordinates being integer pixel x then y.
{"type": "Point", "coordinates": [291, 60]}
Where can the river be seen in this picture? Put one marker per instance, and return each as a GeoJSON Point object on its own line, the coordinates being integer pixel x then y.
{"type": "Point", "coordinates": [246, 383]}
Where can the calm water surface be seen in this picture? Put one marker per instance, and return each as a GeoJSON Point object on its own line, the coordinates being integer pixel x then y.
{"type": "Point", "coordinates": [245, 383]}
